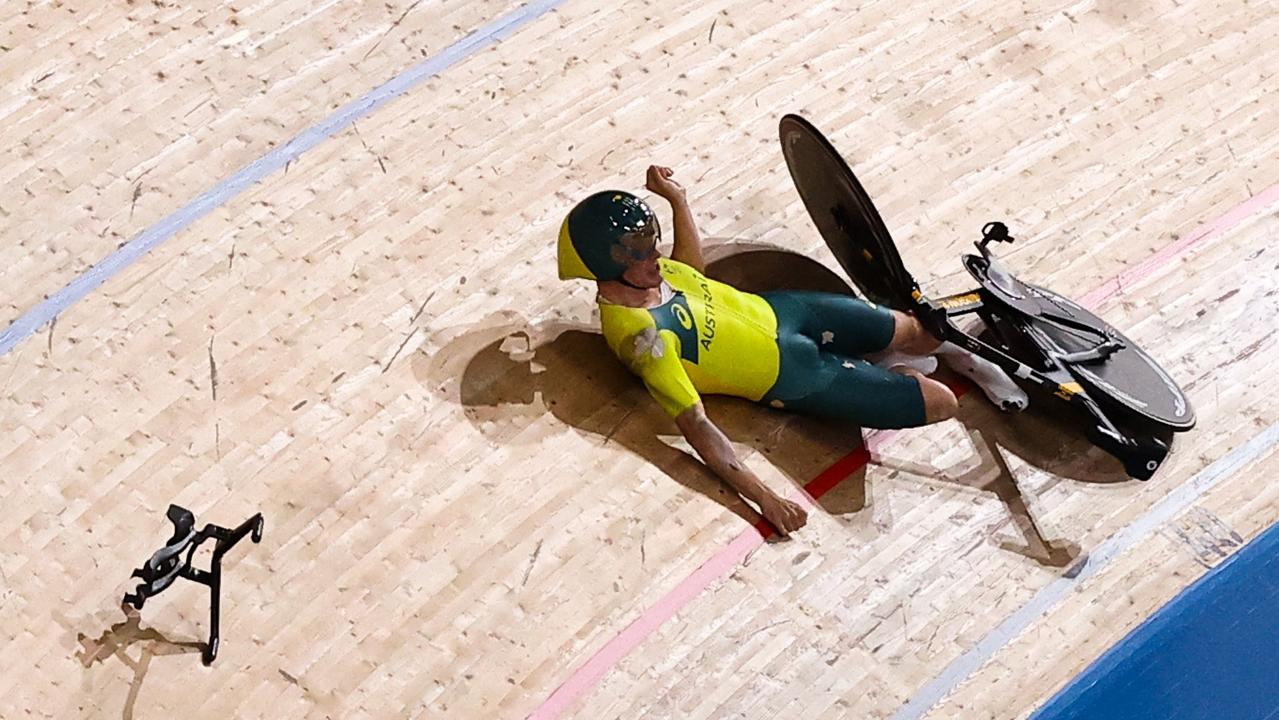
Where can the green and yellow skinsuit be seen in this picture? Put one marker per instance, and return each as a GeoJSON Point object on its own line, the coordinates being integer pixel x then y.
{"type": "Point", "coordinates": [791, 349]}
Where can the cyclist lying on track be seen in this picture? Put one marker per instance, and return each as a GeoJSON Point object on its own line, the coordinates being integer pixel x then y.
{"type": "Point", "coordinates": [685, 335]}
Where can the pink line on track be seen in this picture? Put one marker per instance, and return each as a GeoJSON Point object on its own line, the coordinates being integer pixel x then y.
{"type": "Point", "coordinates": [589, 674]}
{"type": "Point", "coordinates": [1233, 217]}
{"type": "Point", "coordinates": [719, 565]}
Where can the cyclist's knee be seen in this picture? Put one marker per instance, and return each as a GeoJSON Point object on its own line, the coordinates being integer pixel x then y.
{"type": "Point", "coordinates": [939, 402]}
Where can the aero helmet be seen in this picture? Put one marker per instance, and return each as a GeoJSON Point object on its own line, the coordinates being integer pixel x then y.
{"type": "Point", "coordinates": [603, 233]}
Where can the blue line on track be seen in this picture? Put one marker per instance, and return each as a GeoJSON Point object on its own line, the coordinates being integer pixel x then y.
{"type": "Point", "coordinates": [1209, 654]}
{"type": "Point", "coordinates": [1048, 597]}
{"type": "Point", "coordinates": [28, 323]}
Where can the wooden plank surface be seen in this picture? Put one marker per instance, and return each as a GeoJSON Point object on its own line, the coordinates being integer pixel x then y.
{"type": "Point", "coordinates": [465, 496]}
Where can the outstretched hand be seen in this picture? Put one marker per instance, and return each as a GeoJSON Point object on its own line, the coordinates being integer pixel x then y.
{"type": "Point", "coordinates": [660, 181]}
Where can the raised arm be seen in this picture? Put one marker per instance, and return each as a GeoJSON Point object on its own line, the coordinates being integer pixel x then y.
{"type": "Point", "coordinates": [688, 243]}
{"type": "Point", "coordinates": [717, 452]}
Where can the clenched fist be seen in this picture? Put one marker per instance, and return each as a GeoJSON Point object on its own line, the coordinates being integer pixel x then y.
{"type": "Point", "coordinates": [660, 181]}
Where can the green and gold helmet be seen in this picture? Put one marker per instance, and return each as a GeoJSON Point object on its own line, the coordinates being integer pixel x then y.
{"type": "Point", "coordinates": [605, 232]}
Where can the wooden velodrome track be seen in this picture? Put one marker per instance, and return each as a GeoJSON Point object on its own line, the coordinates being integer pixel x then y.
{"type": "Point", "coordinates": [471, 510]}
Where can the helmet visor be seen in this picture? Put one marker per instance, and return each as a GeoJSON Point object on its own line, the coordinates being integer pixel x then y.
{"type": "Point", "coordinates": [638, 244]}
